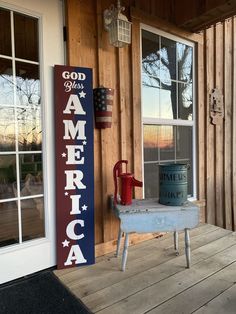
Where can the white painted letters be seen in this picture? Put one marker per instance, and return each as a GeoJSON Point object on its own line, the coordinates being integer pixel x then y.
{"type": "Point", "coordinates": [74, 180]}
{"type": "Point", "coordinates": [71, 130]}
{"type": "Point", "coordinates": [76, 255]}
{"type": "Point", "coordinates": [73, 154]}
{"type": "Point", "coordinates": [74, 104]}
{"type": "Point", "coordinates": [75, 204]}
{"type": "Point", "coordinates": [70, 229]}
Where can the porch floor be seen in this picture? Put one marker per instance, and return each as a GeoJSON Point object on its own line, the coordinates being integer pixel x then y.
{"type": "Point", "coordinates": [157, 281]}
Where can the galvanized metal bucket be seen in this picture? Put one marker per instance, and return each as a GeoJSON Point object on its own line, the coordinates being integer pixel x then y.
{"type": "Point", "coordinates": [173, 184]}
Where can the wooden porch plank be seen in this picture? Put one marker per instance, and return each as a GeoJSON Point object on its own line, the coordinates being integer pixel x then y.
{"type": "Point", "coordinates": [198, 231]}
{"type": "Point", "coordinates": [90, 279]}
{"type": "Point", "coordinates": [224, 303]}
{"type": "Point", "coordinates": [156, 294]}
{"type": "Point", "coordinates": [107, 275]}
{"type": "Point", "coordinates": [129, 286]}
{"type": "Point", "coordinates": [203, 292]}
{"type": "Point", "coordinates": [201, 229]}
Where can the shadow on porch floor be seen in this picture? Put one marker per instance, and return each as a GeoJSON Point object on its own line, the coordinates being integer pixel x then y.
{"type": "Point", "coordinates": [156, 281]}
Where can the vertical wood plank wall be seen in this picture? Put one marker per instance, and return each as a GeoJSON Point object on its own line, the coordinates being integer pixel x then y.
{"type": "Point", "coordinates": [220, 143]}
{"type": "Point", "coordinates": [88, 46]}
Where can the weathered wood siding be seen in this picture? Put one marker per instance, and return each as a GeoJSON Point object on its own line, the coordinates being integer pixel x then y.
{"type": "Point", "coordinates": [88, 46]}
{"type": "Point", "coordinates": [220, 143]}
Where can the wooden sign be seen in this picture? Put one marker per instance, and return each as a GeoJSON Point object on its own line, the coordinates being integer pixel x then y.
{"type": "Point", "coordinates": [74, 166]}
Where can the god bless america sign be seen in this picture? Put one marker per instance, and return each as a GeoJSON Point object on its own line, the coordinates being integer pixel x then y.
{"type": "Point", "coordinates": [74, 166]}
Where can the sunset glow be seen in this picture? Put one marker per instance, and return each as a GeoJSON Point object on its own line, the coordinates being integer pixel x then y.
{"type": "Point", "coordinates": [156, 136]}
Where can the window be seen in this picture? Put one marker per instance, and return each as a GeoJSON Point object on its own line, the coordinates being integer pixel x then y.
{"type": "Point", "coordinates": [21, 171]}
{"type": "Point", "coordinates": [167, 106]}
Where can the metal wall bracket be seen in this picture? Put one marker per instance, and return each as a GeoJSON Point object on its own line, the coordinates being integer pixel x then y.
{"type": "Point", "coordinates": [216, 106]}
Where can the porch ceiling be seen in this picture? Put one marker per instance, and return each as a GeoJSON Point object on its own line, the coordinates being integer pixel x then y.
{"type": "Point", "coordinates": [202, 14]}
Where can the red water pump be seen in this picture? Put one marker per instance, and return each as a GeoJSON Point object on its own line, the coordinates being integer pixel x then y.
{"type": "Point", "coordinates": [127, 183]}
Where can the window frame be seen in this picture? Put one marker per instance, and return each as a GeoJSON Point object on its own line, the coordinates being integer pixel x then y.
{"type": "Point", "coordinates": [172, 122]}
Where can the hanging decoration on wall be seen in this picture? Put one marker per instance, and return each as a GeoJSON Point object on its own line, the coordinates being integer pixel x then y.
{"type": "Point", "coordinates": [103, 102]}
{"type": "Point", "coordinates": [74, 166]}
{"type": "Point", "coordinates": [216, 106]}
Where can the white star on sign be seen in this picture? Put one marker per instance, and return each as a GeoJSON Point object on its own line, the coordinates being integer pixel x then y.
{"type": "Point", "coordinates": [65, 243]}
{"type": "Point", "coordinates": [84, 142]}
{"type": "Point", "coordinates": [66, 193]}
{"type": "Point", "coordinates": [63, 155]}
{"type": "Point", "coordinates": [84, 207]}
{"type": "Point", "coordinates": [82, 94]}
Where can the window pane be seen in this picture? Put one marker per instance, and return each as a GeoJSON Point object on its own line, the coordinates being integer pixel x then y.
{"type": "Point", "coordinates": [26, 37]}
{"type": "Point", "coordinates": [150, 102]}
{"type": "Point", "coordinates": [29, 127]}
{"type": "Point", "coordinates": [7, 113]}
{"type": "Point", "coordinates": [167, 142]}
{"type": "Point", "coordinates": [150, 74]}
{"type": "Point", "coordinates": [184, 143]}
{"type": "Point", "coordinates": [31, 174]}
{"type": "Point", "coordinates": [150, 81]}
{"type": "Point", "coordinates": [5, 32]}
{"type": "Point", "coordinates": [185, 101]}
{"type": "Point", "coordinates": [6, 83]}
{"type": "Point", "coordinates": [27, 84]}
{"type": "Point", "coordinates": [185, 62]}
{"type": "Point", "coordinates": [184, 154]}
{"type": "Point", "coordinates": [8, 223]}
{"type": "Point", "coordinates": [167, 109]}
{"type": "Point", "coordinates": [151, 179]}
{"type": "Point", "coordinates": [7, 176]}
{"type": "Point", "coordinates": [29, 113]}
{"type": "Point", "coordinates": [150, 53]}
{"type": "Point", "coordinates": [32, 218]}
{"type": "Point", "coordinates": [7, 129]}
{"type": "Point", "coordinates": [150, 142]}
{"type": "Point", "coordinates": [168, 58]}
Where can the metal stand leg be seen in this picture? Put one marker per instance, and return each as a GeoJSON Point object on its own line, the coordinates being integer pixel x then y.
{"type": "Point", "coordinates": [176, 243]}
{"type": "Point", "coordinates": [125, 252]}
{"type": "Point", "coordinates": [120, 233]}
{"type": "Point", "coordinates": [187, 247]}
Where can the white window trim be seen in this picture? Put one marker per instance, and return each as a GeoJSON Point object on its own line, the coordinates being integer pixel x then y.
{"type": "Point", "coordinates": [176, 122]}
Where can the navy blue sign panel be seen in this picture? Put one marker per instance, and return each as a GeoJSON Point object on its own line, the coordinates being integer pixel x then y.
{"type": "Point", "coordinates": [74, 166]}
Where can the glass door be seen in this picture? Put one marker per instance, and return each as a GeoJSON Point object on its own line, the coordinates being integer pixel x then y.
{"type": "Point", "coordinates": [26, 216]}
{"type": "Point", "coordinates": [21, 168]}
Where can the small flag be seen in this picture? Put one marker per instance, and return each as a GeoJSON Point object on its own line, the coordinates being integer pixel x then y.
{"type": "Point", "coordinates": [103, 101]}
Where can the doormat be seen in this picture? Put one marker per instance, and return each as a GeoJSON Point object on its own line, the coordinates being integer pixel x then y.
{"type": "Point", "coordinates": [41, 293]}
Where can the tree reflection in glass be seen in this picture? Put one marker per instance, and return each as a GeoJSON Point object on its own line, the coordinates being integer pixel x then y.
{"type": "Point", "coordinates": [165, 64]}
{"type": "Point", "coordinates": [28, 106]}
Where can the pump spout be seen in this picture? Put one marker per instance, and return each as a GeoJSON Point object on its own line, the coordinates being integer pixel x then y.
{"type": "Point", "coordinates": [137, 182]}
